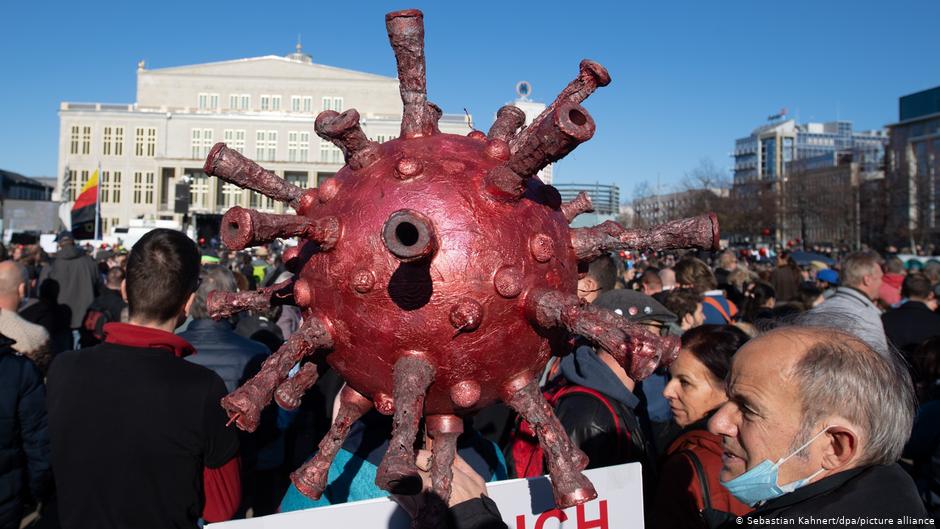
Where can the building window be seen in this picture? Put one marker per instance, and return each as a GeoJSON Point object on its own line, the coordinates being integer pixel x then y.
{"type": "Point", "coordinates": [298, 178]}
{"type": "Point", "coordinates": [295, 103]}
{"type": "Point", "coordinates": [330, 153]}
{"type": "Point", "coordinates": [118, 147]}
{"type": "Point", "coordinates": [112, 141]}
{"type": "Point", "coordinates": [73, 140]}
{"type": "Point", "coordinates": [208, 101]}
{"type": "Point", "coordinates": [201, 143]}
{"type": "Point", "coordinates": [235, 139]}
{"type": "Point", "coordinates": [257, 200]}
{"type": "Point", "coordinates": [333, 103]}
{"type": "Point", "coordinates": [151, 142]}
{"type": "Point", "coordinates": [231, 195]}
{"type": "Point", "coordinates": [298, 146]}
{"type": "Point", "coordinates": [139, 141]}
{"type": "Point", "coordinates": [275, 103]}
{"type": "Point", "coordinates": [266, 145]}
{"type": "Point", "coordinates": [265, 103]}
{"type": "Point", "coordinates": [110, 187]}
{"type": "Point", "coordinates": [76, 184]}
{"type": "Point", "coordinates": [86, 140]}
{"type": "Point", "coordinates": [308, 104]}
{"type": "Point", "coordinates": [239, 101]}
{"type": "Point", "coordinates": [199, 190]}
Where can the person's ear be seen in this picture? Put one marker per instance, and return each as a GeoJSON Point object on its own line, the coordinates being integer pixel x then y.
{"type": "Point", "coordinates": [21, 289]}
{"type": "Point", "coordinates": [687, 321]}
{"type": "Point", "coordinates": [189, 304]}
{"type": "Point", "coordinates": [124, 290]}
{"type": "Point", "coordinates": [588, 284]}
{"type": "Point", "coordinates": [840, 450]}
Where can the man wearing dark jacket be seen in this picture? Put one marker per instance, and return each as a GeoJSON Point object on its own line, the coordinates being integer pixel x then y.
{"type": "Point", "coordinates": [132, 424]}
{"type": "Point", "coordinates": [77, 276]}
{"type": "Point", "coordinates": [106, 308]}
{"type": "Point", "coordinates": [24, 436]}
{"type": "Point", "coordinates": [218, 346]}
{"type": "Point", "coordinates": [914, 322]}
{"type": "Point", "coordinates": [595, 402]}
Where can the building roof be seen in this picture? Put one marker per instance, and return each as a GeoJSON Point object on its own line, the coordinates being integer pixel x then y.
{"type": "Point", "coordinates": [273, 66]}
{"type": "Point", "coordinates": [17, 178]}
{"type": "Point", "coordinates": [919, 104]}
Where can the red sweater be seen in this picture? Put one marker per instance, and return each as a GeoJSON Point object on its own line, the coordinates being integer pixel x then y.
{"type": "Point", "coordinates": [678, 500]}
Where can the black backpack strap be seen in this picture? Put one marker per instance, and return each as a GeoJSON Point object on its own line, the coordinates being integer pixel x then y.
{"type": "Point", "coordinates": [702, 478]}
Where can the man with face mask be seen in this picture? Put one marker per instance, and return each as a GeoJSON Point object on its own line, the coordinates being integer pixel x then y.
{"type": "Point", "coordinates": [815, 424]}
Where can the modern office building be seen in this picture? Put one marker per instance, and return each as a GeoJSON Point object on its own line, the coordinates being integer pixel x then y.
{"type": "Point", "coordinates": [913, 171]}
{"type": "Point", "coordinates": [762, 161]}
{"type": "Point", "coordinates": [604, 197]}
{"type": "Point", "coordinates": [264, 107]}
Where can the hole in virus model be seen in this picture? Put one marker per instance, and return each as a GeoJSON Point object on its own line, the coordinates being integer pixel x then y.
{"type": "Point", "coordinates": [233, 228]}
{"type": "Point", "coordinates": [577, 117]}
{"type": "Point", "coordinates": [407, 233]}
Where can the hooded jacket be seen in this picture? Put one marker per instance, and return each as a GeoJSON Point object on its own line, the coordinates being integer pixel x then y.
{"type": "Point", "coordinates": [77, 277]}
{"type": "Point", "coordinates": [589, 422]}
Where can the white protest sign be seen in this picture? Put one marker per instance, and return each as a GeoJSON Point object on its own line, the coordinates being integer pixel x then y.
{"type": "Point", "coordinates": [523, 504]}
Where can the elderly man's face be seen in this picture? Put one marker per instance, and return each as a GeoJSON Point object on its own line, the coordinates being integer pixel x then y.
{"type": "Point", "coordinates": [762, 418]}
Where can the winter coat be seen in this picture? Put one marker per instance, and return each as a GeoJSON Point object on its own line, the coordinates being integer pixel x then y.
{"type": "Point", "coordinates": [77, 276]}
{"type": "Point", "coordinates": [851, 310]}
{"type": "Point", "coordinates": [679, 498]}
{"type": "Point", "coordinates": [910, 325]}
{"type": "Point", "coordinates": [223, 351]}
{"type": "Point", "coordinates": [871, 493]}
{"type": "Point", "coordinates": [24, 436]}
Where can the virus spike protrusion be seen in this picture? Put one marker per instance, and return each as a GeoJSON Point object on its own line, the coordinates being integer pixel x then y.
{"type": "Point", "coordinates": [564, 460]}
{"type": "Point", "coordinates": [226, 304]}
{"type": "Point", "coordinates": [591, 76]}
{"type": "Point", "coordinates": [311, 478]}
{"type": "Point", "coordinates": [639, 351]}
{"type": "Point", "coordinates": [231, 166]}
{"type": "Point", "coordinates": [693, 232]}
{"type": "Point", "coordinates": [508, 120]}
{"type": "Point", "coordinates": [289, 393]}
{"type": "Point", "coordinates": [242, 228]}
{"type": "Point", "coordinates": [245, 403]}
{"type": "Point", "coordinates": [406, 35]}
{"type": "Point", "coordinates": [580, 204]}
{"type": "Point", "coordinates": [443, 431]}
{"type": "Point", "coordinates": [551, 139]}
{"type": "Point", "coordinates": [344, 131]}
{"type": "Point", "coordinates": [397, 473]}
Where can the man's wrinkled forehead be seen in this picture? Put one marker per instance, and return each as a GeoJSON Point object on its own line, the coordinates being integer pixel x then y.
{"type": "Point", "coordinates": [767, 362]}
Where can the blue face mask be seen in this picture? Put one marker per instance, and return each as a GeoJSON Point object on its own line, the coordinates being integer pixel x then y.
{"type": "Point", "coordinates": [760, 483]}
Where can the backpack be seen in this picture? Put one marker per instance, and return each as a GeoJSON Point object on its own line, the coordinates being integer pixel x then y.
{"type": "Point", "coordinates": [528, 458]}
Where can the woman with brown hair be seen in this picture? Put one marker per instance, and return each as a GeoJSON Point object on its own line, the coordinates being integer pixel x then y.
{"type": "Point", "coordinates": [689, 489]}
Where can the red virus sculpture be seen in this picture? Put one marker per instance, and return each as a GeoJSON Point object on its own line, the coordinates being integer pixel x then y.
{"type": "Point", "coordinates": [437, 275]}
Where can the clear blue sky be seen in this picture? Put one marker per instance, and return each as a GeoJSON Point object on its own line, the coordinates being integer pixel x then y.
{"type": "Point", "coordinates": [688, 76]}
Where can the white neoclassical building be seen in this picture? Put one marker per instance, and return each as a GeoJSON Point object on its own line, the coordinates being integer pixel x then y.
{"type": "Point", "coordinates": [264, 107]}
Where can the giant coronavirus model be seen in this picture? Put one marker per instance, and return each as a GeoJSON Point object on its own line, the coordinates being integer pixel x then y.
{"type": "Point", "coordinates": [437, 275]}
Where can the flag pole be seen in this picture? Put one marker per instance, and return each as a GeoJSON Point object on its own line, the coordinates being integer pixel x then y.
{"type": "Point", "coordinates": [98, 204]}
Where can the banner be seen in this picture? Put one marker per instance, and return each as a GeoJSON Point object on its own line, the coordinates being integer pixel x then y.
{"type": "Point", "coordinates": [523, 504]}
{"type": "Point", "coordinates": [85, 210]}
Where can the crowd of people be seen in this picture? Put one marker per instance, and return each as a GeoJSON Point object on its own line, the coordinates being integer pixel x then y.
{"type": "Point", "coordinates": [800, 389]}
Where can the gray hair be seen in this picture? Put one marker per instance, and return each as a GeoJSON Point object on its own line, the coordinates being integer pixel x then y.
{"type": "Point", "coordinates": [214, 278]}
{"type": "Point", "coordinates": [857, 265]}
{"type": "Point", "coordinates": [842, 372]}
